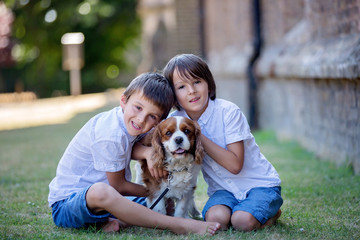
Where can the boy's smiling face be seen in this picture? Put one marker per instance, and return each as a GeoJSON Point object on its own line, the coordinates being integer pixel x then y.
{"type": "Point", "coordinates": [140, 114]}
{"type": "Point", "coordinates": [192, 94]}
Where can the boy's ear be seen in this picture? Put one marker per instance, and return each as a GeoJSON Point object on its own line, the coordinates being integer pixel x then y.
{"type": "Point", "coordinates": [122, 100]}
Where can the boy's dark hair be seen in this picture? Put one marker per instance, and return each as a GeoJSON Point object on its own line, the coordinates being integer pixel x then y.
{"type": "Point", "coordinates": [190, 66]}
{"type": "Point", "coordinates": [155, 88]}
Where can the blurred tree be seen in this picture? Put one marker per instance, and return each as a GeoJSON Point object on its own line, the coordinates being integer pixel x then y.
{"type": "Point", "coordinates": [111, 30]}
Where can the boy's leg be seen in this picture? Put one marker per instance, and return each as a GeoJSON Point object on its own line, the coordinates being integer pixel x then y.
{"type": "Point", "coordinates": [102, 197]}
{"type": "Point", "coordinates": [113, 225]}
{"type": "Point", "coordinates": [261, 208]}
{"type": "Point", "coordinates": [272, 220]}
{"type": "Point", "coordinates": [73, 212]}
{"type": "Point", "coordinates": [219, 213]}
{"type": "Point", "coordinates": [218, 208]}
{"type": "Point", "coordinates": [245, 221]}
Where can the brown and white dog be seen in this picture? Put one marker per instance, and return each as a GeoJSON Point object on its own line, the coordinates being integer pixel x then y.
{"type": "Point", "coordinates": [177, 149]}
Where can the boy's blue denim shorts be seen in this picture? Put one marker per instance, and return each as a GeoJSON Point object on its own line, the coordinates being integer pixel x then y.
{"type": "Point", "coordinates": [262, 202]}
{"type": "Point", "coordinates": [74, 213]}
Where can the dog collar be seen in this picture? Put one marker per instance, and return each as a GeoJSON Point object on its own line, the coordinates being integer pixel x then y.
{"type": "Point", "coordinates": [182, 169]}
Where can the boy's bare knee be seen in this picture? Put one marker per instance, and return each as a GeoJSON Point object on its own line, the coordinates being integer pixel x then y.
{"type": "Point", "coordinates": [220, 214]}
{"type": "Point", "coordinates": [98, 193]}
{"type": "Point", "coordinates": [244, 221]}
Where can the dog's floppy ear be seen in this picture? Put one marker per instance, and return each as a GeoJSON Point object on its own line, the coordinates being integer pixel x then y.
{"type": "Point", "coordinates": [158, 153]}
{"type": "Point", "coordinates": [199, 149]}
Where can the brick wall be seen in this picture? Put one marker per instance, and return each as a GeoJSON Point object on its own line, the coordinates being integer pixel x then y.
{"type": "Point", "coordinates": [169, 27]}
{"type": "Point", "coordinates": [279, 17]}
{"type": "Point", "coordinates": [188, 27]}
{"type": "Point", "coordinates": [228, 41]}
{"type": "Point", "coordinates": [333, 18]}
{"type": "Point", "coordinates": [182, 35]}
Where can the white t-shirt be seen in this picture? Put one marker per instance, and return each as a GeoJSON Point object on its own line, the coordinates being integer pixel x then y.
{"type": "Point", "coordinates": [102, 145]}
{"type": "Point", "coordinates": [224, 123]}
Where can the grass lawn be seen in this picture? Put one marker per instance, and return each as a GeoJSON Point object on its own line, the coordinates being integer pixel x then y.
{"type": "Point", "coordinates": [321, 201]}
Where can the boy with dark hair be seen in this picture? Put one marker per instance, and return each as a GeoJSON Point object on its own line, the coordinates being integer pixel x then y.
{"type": "Point", "coordinates": [93, 175]}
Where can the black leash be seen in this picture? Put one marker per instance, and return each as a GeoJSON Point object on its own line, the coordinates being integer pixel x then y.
{"type": "Point", "coordinates": [170, 177]}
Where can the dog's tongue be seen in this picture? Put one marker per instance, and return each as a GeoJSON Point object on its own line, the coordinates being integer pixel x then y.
{"type": "Point", "coordinates": [179, 151]}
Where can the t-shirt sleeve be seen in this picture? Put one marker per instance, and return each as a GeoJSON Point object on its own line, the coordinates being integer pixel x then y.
{"type": "Point", "coordinates": [236, 126]}
{"type": "Point", "coordinates": [108, 155]}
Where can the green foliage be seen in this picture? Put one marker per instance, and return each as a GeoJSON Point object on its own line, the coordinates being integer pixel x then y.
{"type": "Point", "coordinates": [111, 30]}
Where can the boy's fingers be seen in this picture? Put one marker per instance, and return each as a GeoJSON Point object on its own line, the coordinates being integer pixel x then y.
{"type": "Point", "coordinates": [160, 171]}
{"type": "Point", "coordinates": [155, 174]}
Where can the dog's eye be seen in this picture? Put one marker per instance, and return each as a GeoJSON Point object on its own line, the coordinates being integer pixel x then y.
{"type": "Point", "coordinates": [187, 131]}
{"type": "Point", "coordinates": [168, 133]}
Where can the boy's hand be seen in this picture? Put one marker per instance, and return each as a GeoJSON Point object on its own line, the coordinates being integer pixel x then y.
{"type": "Point", "coordinates": [141, 151]}
{"type": "Point", "coordinates": [157, 173]}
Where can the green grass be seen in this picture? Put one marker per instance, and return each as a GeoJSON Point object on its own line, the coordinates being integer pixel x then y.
{"type": "Point", "coordinates": [321, 201]}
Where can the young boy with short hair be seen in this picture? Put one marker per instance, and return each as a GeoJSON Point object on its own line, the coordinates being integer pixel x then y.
{"type": "Point", "coordinates": [93, 175]}
{"type": "Point", "coordinates": [244, 188]}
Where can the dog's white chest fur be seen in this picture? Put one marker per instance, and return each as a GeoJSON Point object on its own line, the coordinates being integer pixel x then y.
{"type": "Point", "coordinates": [180, 183]}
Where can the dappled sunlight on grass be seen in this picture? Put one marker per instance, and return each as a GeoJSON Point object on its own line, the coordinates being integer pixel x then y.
{"type": "Point", "coordinates": [53, 110]}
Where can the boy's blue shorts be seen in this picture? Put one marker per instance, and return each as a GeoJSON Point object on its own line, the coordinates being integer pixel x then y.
{"type": "Point", "coordinates": [262, 202]}
{"type": "Point", "coordinates": [74, 213]}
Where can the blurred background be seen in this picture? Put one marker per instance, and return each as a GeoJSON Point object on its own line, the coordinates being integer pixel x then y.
{"type": "Point", "coordinates": [31, 51]}
{"type": "Point", "coordinates": [291, 66]}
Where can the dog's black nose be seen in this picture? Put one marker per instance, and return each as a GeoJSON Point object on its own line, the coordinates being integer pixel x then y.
{"type": "Point", "coordinates": [179, 140]}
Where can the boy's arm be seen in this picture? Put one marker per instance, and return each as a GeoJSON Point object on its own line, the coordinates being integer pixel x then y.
{"type": "Point", "coordinates": [141, 151]}
{"type": "Point", "coordinates": [231, 159]}
{"type": "Point", "coordinates": [118, 181]}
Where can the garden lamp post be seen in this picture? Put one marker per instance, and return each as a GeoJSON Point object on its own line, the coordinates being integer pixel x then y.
{"type": "Point", "coordinates": [73, 59]}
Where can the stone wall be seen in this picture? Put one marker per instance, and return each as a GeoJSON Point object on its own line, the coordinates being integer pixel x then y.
{"type": "Point", "coordinates": [322, 114]}
{"type": "Point", "coordinates": [309, 87]}
{"type": "Point", "coordinates": [309, 68]}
